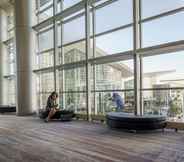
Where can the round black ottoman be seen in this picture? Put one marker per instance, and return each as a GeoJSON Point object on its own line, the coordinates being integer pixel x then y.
{"type": "Point", "coordinates": [133, 122]}
{"type": "Point", "coordinates": [63, 115]}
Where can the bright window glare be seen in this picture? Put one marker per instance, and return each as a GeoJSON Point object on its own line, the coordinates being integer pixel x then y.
{"type": "Point", "coordinates": [155, 7]}
{"type": "Point", "coordinates": [69, 3]}
{"type": "Point", "coordinates": [168, 73]}
{"type": "Point", "coordinates": [110, 17]}
{"type": "Point", "coordinates": [163, 30]}
{"type": "Point", "coordinates": [116, 42]}
{"type": "Point", "coordinates": [173, 61]}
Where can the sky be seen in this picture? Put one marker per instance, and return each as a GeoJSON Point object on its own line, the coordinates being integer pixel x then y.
{"type": "Point", "coordinates": [163, 30]}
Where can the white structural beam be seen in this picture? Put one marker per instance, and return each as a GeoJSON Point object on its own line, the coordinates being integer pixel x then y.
{"type": "Point", "coordinates": [24, 52]}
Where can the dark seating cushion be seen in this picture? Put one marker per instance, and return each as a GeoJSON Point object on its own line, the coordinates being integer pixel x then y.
{"type": "Point", "coordinates": [130, 121]}
{"type": "Point", "coordinates": [62, 115]}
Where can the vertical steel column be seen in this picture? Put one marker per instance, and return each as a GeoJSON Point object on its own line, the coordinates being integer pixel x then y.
{"type": "Point", "coordinates": [88, 86]}
{"type": "Point", "coordinates": [141, 60]}
{"type": "Point", "coordinates": [94, 55]}
{"type": "Point", "coordinates": [55, 42]}
{"type": "Point", "coordinates": [136, 38]}
{"type": "Point", "coordinates": [62, 59]}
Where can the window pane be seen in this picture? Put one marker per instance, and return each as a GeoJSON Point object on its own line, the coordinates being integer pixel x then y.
{"type": "Point", "coordinates": [11, 94]}
{"type": "Point", "coordinates": [45, 14]}
{"type": "Point", "coordinates": [163, 30]}
{"type": "Point", "coordinates": [157, 74]}
{"type": "Point", "coordinates": [75, 52]}
{"type": "Point", "coordinates": [69, 3]}
{"type": "Point", "coordinates": [43, 3]}
{"type": "Point", "coordinates": [164, 102]}
{"type": "Point", "coordinates": [104, 102]}
{"type": "Point", "coordinates": [154, 7]}
{"type": "Point", "coordinates": [46, 86]}
{"type": "Point", "coordinates": [75, 79]}
{"type": "Point", "coordinates": [45, 59]}
{"type": "Point", "coordinates": [111, 76]}
{"type": "Point", "coordinates": [74, 30]}
{"type": "Point", "coordinates": [115, 42]}
{"type": "Point", "coordinates": [111, 16]}
{"type": "Point", "coordinates": [75, 102]}
{"type": "Point", "coordinates": [46, 40]}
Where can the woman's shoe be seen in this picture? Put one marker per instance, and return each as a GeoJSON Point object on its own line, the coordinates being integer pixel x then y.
{"type": "Point", "coordinates": [46, 120]}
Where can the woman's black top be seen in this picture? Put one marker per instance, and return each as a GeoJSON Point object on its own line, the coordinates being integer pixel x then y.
{"type": "Point", "coordinates": [50, 103]}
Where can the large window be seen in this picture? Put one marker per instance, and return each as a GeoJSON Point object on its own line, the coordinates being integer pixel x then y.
{"type": "Point", "coordinates": [9, 61]}
{"type": "Point", "coordinates": [113, 78]}
{"type": "Point", "coordinates": [107, 66]}
{"type": "Point", "coordinates": [73, 89]}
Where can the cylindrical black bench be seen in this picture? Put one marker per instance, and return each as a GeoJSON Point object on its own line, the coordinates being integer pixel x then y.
{"type": "Point", "coordinates": [7, 108]}
{"type": "Point", "coordinates": [63, 115]}
{"type": "Point", "coordinates": [133, 122]}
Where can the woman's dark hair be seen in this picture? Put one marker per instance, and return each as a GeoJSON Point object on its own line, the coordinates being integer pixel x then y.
{"type": "Point", "coordinates": [54, 93]}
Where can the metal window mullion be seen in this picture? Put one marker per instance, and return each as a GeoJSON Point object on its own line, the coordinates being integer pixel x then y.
{"type": "Point", "coordinates": [94, 55]}
{"type": "Point", "coordinates": [141, 59]}
{"type": "Point", "coordinates": [104, 4]}
{"type": "Point", "coordinates": [55, 43]}
{"type": "Point", "coordinates": [162, 48]}
{"type": "Point", "coordinates": [43, 10]}
{"type": "Point", "coordinates": [136, 44]}
{"type": "Point", "coordinates": [65, 13]}
{"type": "Point", "coordinates": [163, 89]}
{"type": "Point", "coordinates": [87, 30]}
{"type": "Point", "coordinates": [62, 59]}
{"type": "Point", "coordinates": [161, 15]}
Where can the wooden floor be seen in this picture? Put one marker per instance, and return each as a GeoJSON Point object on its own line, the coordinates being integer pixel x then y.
{"type": "Point", "coordinates": [28, 139]}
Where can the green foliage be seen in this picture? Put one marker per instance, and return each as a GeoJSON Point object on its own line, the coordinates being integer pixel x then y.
{"type": "Point", "coordinates": [175, 107]}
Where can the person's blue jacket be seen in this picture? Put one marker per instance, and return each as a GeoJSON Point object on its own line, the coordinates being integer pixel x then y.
{"type": "Point", "coordinates": [118, 100]}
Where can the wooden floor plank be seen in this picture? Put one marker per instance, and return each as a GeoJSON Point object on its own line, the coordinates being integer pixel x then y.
{"type": "Point", "coordinates": [28, 139]}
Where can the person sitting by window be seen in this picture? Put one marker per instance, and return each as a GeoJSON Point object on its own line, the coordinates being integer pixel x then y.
{"type": "Point", "coordinates": [51, 106]}
{"type": "Point", "coordinates": [118, 101]}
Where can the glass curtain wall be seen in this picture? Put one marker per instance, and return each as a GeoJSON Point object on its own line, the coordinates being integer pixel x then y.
{"type": "Point", "coordinates": [9, 60]}
{"type": "Point", "coordinates": [162, 72]}
{"type": "Point", "coordinates": [87, 51]}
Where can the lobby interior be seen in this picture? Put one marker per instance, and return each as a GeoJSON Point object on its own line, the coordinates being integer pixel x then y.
{"type": "Point", "coordinates": [87, 51]}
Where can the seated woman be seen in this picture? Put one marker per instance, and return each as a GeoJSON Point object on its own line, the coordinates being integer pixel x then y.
{"type": "Point", "coordinates": [51, 105]}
